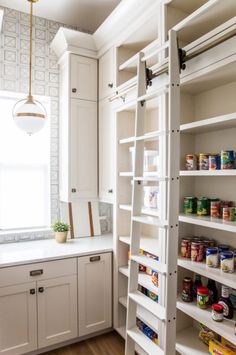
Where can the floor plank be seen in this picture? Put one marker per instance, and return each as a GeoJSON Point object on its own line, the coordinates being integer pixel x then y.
{"type": "Point", "coordinates": [107, 344]}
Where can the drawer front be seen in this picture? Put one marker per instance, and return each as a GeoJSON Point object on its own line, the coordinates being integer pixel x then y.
{"type": "Point", "coordinates": [38, 271]}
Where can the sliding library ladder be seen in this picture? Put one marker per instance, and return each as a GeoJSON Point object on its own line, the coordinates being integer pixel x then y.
{"type": "Point", "coordinates": [167, 220]}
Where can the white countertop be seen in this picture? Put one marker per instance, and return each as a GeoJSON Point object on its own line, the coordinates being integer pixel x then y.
{"type": "Point", "coordinates": [20, 253]}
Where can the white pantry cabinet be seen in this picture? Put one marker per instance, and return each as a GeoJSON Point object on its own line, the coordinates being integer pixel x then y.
{"type": "Point", "coordinates": [57, 310]}
{"type": "Point", "coordinates": [94, 293]}
{"type": "Point", "coordinates": [83, 78]}
{"type": "Point", "coordinates": [18, 319]}
{"type": "Point", "coordinates": [106, 151]}
{"type": "Point", "coordinates": [107, 74]}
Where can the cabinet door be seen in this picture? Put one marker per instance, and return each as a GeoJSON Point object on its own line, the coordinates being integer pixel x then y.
{"type": "Point", "coordinates": [106, 151]}
{"type": "Point", "coordinates": [94, 292]}
{"type": "Point", "coordinates": [18, 319]}
{"type": "Point", "coordinates": [83, 150]}
{"type": "Point", "coordinates": [57, 310]}
{"type": "Point", "coordinates": [83, 78]}
{"type": "Point", "coordinates": [106, 74]}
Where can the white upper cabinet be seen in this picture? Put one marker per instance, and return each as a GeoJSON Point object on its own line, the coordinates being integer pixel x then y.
{"type": "Point", "coordinates": [83, 78]}
{"type": "Point", "coordinates": [106, 74]}
{"type": "Point", "coordinates": [94, 293]}
{"type": "Point", "coordinates": [18, 319]}
{"type": "Point", "coordinates": [57, 310]}
{"type": "Point", "coordinates": [83, 149]}
{"type": "Point", "coordinates": [106, 151]}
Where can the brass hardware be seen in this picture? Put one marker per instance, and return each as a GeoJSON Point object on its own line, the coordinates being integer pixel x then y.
{"type": "Point", "coordinates": [74, 90]}
{"type": "Point", "coordinates": [27, 114]}
{"type": "Point", "coordinates": [36, 272]}
{"type": "Point", "coordinates": [32, 291]}
{"type": "Point", "coordinates": [95, 258]}
{"type": "Point", "coordinates": [41, 289]}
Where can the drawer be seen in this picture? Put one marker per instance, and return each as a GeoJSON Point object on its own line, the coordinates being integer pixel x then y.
{"type": "Point", "coordinates": [38, 271]}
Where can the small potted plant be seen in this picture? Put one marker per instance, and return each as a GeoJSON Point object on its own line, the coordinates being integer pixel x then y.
{"type": "Point", "coordinates": [60, 229]}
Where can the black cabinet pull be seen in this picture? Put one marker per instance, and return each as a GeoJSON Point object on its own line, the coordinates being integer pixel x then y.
{"type": "Point", "coordinates": [95, 258]}
{"type": "Point", "coordinates": [73, 190]}
{"type": "Point", "coordinates": [32, 291]}
{"type": "Point", "coordinates": [36, 272]}
{"type": "Point", "coordinates": [74, 90]}
{"type": "Point", "coordinates": [110, 85]}
{"type": "Point", "coordinates": [110, 191]}
{"type": "Point", "coordinates": [41, 289]}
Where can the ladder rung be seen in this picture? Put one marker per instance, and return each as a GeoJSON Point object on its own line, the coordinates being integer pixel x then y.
{"type": "Point", "coordinates": [144, 279]}
{"type": "Point", "coordinates": [150, 263]}
{"type": "Point", "coordinates": [144, 342]}
{"type": "Point", "coordinates": [153, 94]}
{"type": "Point", "coordinates": [156, 51]}
{"type": "Point", "coordinates": [150, 178]}
{"type": "Point", "coordinates": [127, 140]}
{"type": "Point", "coordinates": [151, 306]}
{"type": "Point", "coordinates": [150, 220]}
{"type": "Point", "coordinates": [151, 135]}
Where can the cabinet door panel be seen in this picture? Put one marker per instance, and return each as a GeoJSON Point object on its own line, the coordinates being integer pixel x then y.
{"type": "Point", "coordinates": [106, 151]}
{"type": "Point", "coordinates": [83, 78]}
{"type": "Point", "coordinates": [95, 291]}
{"type": "Point", "coordinates": [83, 150]}
{"type": "Point", "coordinates": [57, 310]}
{"type": "Point", "coordinates": [18, 319]}
{"type": "Point", "coordinates": [106, 74]}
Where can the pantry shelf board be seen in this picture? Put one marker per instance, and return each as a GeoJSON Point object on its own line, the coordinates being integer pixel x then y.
{"type": "Point", "coordinates": [228, 172]}
{"type": "Point", "coordinates": [210, 124]}
{"type": "Point", "coordinates": [154, 178]}
{"type": "Point", "coordinates": [144, 279]}
{"type": "Point", "coordinates": [148, 244]}
{"type": "Point", "coordinates": [126, 174]}
{"type": "Point", "coordinates": [150, 263]}
{"type": "Point", "coordinates": [225, 328]}
{"type": "Point", "coordinates": [187, 342]}
{"type": "Point", "coordinates": [144, 342]}
{"type": "Point", "coordinates": [212, 273]}
{"type": "Point", "coordinates": [127, 140]}
{"type": "Point", "coordinates": [208, 222]}
{"type": "Point", "coordinates": [145, 316]}
{"type": "Point", "coordinates": [130, 64]}
{"type": "Point", "coordinates": [146, 211]}
{"type": "Point", "coordinates": [149, 220]}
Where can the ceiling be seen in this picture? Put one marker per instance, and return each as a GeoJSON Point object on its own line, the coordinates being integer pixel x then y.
{"type": "Point", "coordinates": [84, 14]}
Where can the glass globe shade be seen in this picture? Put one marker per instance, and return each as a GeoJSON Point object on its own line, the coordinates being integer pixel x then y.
{"type": "Point", "coordinates": [29, 115]}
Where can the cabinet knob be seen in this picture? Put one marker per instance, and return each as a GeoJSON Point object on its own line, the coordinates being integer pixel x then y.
{"type": "Point", "coordinates": [32, 291]}
{"type": "Point", "coordinates": [41, 289]}
{"type": "Point", "coordinates": [74, 90]}
{"type": "Point", "coordinates": [110, 85]}
{"type": "Point", "coordinates": [110, 191]}
{"type": "Point", "coordinates": [73, 190]}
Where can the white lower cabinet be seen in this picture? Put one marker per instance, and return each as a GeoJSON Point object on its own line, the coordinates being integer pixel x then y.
{"type": "Point", "coordinates": [18, 319]}
{"type": "Point", "coordinates": [57, 310]}
{"type": "Point", "coordinates": [94, 293]}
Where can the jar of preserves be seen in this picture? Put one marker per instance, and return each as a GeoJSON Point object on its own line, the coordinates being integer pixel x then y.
{"type": "Point", "coordinates": [187, 293]}
{"type": "Point", "coordinates": [202, 297]}
{"type": "Point", "coordinates": [217, 312]}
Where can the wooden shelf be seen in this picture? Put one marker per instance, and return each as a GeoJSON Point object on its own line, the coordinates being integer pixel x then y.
{"type": "Point", "coordinates": [225, 328]}
{"type": "Point", "coordinates": [210, 124]}
{"type": "Point", "coordinates": [144, 279]}
{"type": "Point", "coordinates": [145, 211]}
{"type": "Point", "coordinates": [146, 137]}
{"type": "Point", "coordinates": [148, 244]}
{"type": "Point", "coordinates": [231, 172]}
{"type": "Point", "coordinates": [188, 343]}
{"type": "Point", "coordinates": [212, 273]}
{"type": "Point", "coordinates": [149, 220]}
{"type": "Point", "coordinates": [148, 304]}
{"type": "Point", "coordinates": [208, 222]}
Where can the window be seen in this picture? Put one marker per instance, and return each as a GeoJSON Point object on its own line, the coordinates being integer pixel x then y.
{"type": "Point", "coordinates": [24, 171]}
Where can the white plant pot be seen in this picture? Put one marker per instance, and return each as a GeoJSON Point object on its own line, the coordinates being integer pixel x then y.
{"type": "Point", "coordinates": [61, 237]}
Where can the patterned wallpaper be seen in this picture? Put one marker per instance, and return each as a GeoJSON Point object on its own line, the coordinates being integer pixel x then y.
{"type": "Point", "coordinates": [14, 57]}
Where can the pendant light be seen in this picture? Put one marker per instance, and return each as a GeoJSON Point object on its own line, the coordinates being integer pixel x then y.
{"type": "Point", "coordinates": [30, 115]}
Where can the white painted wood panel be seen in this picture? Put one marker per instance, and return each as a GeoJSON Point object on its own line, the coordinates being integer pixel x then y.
{"type": "Point", "coordinates": [83, 76]}
{"type": "Point", "coordinates": [18, 319]}
{"type": "Point", "coordinates": [106, 74]}
{"type": "Point", "coordinates": [83, 149]}
{"type": "Point", "coordinates": [94, 293]}
{"type": "Point", "coordinates": [57, 310]}
{"type": "Point", "coordinates": [106, 151]}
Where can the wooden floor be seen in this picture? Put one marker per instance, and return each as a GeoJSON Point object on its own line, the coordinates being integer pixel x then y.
{"type": "Point", "coordinates": [107, 344]}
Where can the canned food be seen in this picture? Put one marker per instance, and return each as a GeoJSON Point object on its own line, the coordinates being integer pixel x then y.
{"type": "Point", "coordinates": [190, 205]}
{"type": "Point", "coordinates": [227, 261]}
{"type": "Point", "coordinates": [212, 259]}
{"type": "Point", "coordinates": [191, 162]}
{"type": "Point", "coordinates": [209, 243]}
{"type": "Point", "coordinates": [227, 159]}
{"type": "Point", "coordinates": [187, 293]}
{"type": "Point", "coordinates": [203, 161]}
{"type": "Point", "coordinates": [229, 214]}
{"type": "Point", "coordinates": [203, 204]}
{"type": "Point", "coordinates": [215, 209]}
{"type": "Point", "coordinates": [197, 251]}
{"type": "Point", "coordinates": [214, 162]}
{"type": "Point", "coordinates": [186, 248]}
{"type": "Point", "coordinates": [232, 214]}
{"type": "Point", "coordinates": [223, 247]}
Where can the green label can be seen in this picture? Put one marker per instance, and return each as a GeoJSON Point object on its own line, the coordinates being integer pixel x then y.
{"type": "Point", "coordinates": [190, 205]}
{"type": "Point", "coordinates": [203, 206]}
